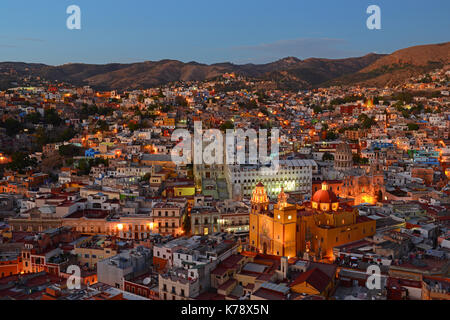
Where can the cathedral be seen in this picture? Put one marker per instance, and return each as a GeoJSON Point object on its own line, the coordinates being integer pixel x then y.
{"type": "Point", "coordinates": [361, 185]}
{"type": "Point", "coordinates": [311, 229]}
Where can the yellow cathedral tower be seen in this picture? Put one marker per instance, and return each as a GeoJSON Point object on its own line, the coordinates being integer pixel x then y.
{"type": "Point", "coordinates": [273, 232]}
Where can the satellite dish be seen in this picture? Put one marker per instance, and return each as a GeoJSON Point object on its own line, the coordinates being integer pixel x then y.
{"type": "Point", "coordinates": [147, 281]}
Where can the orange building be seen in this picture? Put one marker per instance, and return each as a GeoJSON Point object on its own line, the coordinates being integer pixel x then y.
{"type": "Point", "coordinates": [314, 228]}
{"type": "Point", "coordinates": [10, 266]}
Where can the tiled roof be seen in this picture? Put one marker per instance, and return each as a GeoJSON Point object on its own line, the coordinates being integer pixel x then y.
{"type": "Point", "coordinates": [314, 277]}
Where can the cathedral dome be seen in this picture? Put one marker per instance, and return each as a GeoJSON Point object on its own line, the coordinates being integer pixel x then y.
{"type": "Point", "coordinates": [324, 195]}
{"type": "Point", "coordinates": [325, 199]}
{"type": "Point", "coordinates": [343, 148]}
{"type": "Point", "coordinates": [343, 158]}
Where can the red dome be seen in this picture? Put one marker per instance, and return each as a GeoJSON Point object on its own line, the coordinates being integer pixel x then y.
{"type": "Point", "coordinates": [325, 195]}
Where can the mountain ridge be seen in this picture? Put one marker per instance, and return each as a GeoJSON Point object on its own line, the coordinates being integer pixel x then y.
{"type": "Point", "coordinates": [288, 73]}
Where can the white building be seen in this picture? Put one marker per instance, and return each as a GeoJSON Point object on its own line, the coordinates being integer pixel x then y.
{"type": "Point", "coordinates": [293, 175]}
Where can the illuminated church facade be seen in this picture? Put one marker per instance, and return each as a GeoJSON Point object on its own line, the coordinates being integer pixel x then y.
{"type": "Point", "coordinates": [313, 228]}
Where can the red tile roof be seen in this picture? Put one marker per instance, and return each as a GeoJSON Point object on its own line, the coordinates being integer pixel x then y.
{"type": "Point", "coordinates": [314, 277]}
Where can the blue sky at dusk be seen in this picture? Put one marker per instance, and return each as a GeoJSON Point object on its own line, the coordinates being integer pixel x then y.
{"type": "Point", "coordinates": [241, 31]}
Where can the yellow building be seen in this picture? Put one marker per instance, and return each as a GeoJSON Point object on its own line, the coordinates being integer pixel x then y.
{"type": "Point", "coordinates": [94, 249]}
{"type": "Point", "coordinates": [274, 232]}
{"type": "Point", "coordinates": [314, 228]}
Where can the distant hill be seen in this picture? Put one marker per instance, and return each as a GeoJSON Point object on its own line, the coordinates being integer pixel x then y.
{"type": "Point", "coordinates": [288, 73]}
{"type": "Point", "coordinates": [395, 68]}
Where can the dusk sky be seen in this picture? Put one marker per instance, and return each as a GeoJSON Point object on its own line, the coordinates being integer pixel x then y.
{"type": "Point", "coordinates": [239, 31]}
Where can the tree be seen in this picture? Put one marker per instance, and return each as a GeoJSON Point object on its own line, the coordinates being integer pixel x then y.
{"type": "Point", "coordinates": [317, 109]}
{"type": "Point", "coordinates": [67, 134]}
{"type": "Point", "coordinates": [102, 126]}
{"type": "Point", "coordinates": [52, 117]}
{"type": "Point", "coordinates": [413, 126]}
{"type": "Point", "coordinates": [20, 161]}
{"type": "Point", "coordinates": [406, 97]}
{"type": "Point", "coordinates": [133, 126]}
{"type": "Point", "coordinates": [34, 117]}
{"type": "Point", "coordinates": [250, 104]}
{"type": "Point", "coordinates": [186, 224]}
{"type": "Point", "coordinates": [366, 121]}
{"type": "Point", "coordinates": [357, 159]}
{"type": "Point", "coordinates": [70, 151]}
{"type": "Point", "coordinates": [41, 137]}
{"type": "Point", "coordinates": [327, 157]}
{"type": "Point", "coordinates": [331, 135]}
{"type": "Point", "coordinates": [181, 101]}
{"type": "Point", "coordinates": [12, 126]}
{"type": "Point", "coordinates": [227, 125]}
{"type": "Point", "coordinates": [84, 167]}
